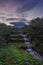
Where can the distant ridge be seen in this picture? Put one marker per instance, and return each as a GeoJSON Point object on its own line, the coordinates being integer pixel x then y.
{"type": "Point", "coordinates": [20, 23]}
{"type": "Point", "coordinates": [17, 24]}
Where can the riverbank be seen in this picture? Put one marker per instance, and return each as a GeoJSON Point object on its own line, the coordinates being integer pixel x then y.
{"type": "Point", "coordinates": [11, 55]}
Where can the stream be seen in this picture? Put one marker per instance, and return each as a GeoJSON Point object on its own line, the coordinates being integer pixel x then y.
{"type": "Point", "coordinates": [29, 49]}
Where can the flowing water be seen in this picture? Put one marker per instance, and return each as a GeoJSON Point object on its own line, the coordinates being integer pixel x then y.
{"type": "Point", "coordinates": [29, 49]}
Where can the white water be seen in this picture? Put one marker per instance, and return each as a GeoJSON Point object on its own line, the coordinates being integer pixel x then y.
{"type": "Point", "coordinates": [29, 49]}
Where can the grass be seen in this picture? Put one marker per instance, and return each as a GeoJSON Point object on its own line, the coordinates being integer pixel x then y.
{"type": "Point", "coordinates": [11, 55]}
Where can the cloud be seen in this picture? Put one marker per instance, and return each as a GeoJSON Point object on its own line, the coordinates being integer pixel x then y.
{"type": "Point", "coordinates": [10, 19]}
{"type": "Point", "coordinates": [18, 5]}
{"type": "Point", "coordinates": [10, 10]}
{"type": "Point", "coordinates": [28, 5]}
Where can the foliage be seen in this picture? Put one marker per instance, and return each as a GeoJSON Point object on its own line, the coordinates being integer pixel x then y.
{"type": "Point", "coordinates": [9, 34]}
{"type": "Point", "coordinates": [35, 32]}
{"type": "Point", "coordinates": [11, 55]}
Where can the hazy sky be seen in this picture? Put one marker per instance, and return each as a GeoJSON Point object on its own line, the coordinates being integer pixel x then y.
{"type": "Point", "coordinates": [28, 9]}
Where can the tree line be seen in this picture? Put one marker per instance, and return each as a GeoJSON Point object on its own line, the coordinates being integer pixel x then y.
{"type": "Point", "coordinates": [35, 32]}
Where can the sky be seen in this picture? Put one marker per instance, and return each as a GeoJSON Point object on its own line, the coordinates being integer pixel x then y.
{"type": "Point", "coordinates": [14, 10]}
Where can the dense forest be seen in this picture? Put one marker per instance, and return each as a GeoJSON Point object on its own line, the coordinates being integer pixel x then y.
{"type": "Point", "coordinates": [35, 32]}
{"type": "Point", "coordinates": [4, 34]}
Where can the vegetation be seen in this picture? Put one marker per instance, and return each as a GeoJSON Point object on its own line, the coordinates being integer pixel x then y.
{"type": "Point", "coordinates": [11, 55]}
{"type": "Point", "coordinates": [35, 33]}
{"type": "Point", "coordinates": [8, 34]}
{"type": "Point", "coordinates": [11, 52]}
{"type": "Point", "coordinates": [4, 34]}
